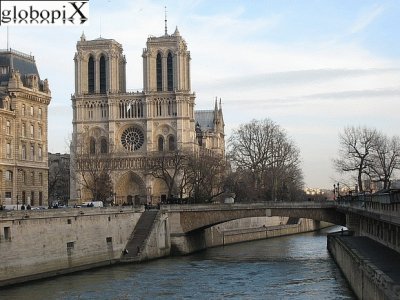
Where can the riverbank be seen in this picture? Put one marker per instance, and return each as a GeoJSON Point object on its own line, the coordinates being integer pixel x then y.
{"type": "Point", "coordinates": [250, 229]}
{"type": "Point", "coordinates": [371, 268]}
{"type": "Point", "coordinates": [40, 244]}
{"type": "Point", "coordinates": [292, 267]}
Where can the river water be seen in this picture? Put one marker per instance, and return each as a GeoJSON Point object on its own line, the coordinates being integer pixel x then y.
{"type": "Point", "coordinates": [292, 267]}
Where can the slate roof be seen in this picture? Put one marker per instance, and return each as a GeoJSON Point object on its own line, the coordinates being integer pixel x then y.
{"type": "Point", "coordinates": [18, 61]}
{"type": "Point", "coordinates": [205, 118]}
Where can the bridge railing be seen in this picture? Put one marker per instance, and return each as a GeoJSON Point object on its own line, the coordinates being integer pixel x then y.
{"type": "Point", "coordinates": [254, 205]}
{"type": "Point", "coordinates": [370, 203]}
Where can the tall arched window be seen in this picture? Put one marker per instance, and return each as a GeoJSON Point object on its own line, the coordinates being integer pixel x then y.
{"type": "Point", "coordinates": [102, 74]}
{"type": "Point", "coordinates": [160, 143]}
{"type": "Point", "coordinates": [91, 75]}
{"type": "Point", "coordinates": [170, 72]}
{"type": "Point", "coordinates": [103, 146]}
{"type": "Point", "coordinates": [92, 147]}
{"type": "Point", "coordinates": [159, 72]}
{"type": "Point", "coordinates": [171, 143]}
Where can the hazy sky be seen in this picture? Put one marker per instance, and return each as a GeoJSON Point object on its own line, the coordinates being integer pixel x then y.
{"type": "Point", "coordinates": [313, 67]}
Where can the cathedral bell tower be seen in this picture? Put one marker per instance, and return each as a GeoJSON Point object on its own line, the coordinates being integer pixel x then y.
{"type": "Point", "coordinates": [166, 64]}
{"type": "Point", "coordinates": [99, 67]}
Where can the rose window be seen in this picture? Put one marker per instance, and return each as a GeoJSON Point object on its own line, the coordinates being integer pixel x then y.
{"type": "Point", "coordinates": [132, 138]}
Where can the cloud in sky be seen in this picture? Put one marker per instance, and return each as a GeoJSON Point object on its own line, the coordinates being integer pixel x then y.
{"type": "Point", "coordinates": [366, 17]}
{"type": "Point", "coordinates": [312, 67]}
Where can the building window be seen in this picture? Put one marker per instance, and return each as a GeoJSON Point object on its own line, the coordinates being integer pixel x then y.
{"type": "Point", "coordinates": [23, 175]}
{"type": "Point", "coordinates": [9, 176]}
{"type": "Point", "coordinates": [33, 178]}
{"type": "Point", "coordinates": [40, 132]}
{"type": "Point", "coordinates": [31, 111]}
{"type": "Point", "coordinates": [7, 195]}
{"type": "Point", "coordinates": [160, 143]}
{"type": "Point", "coordinates": [40, 154]}
{"type": "Point", "coordinates": [91, 75]}
{"type": "Point", "coordinates": [7, 233]}
{"type": "Point", "coordinates": [159, 108]}
{"type": "Point", "coordinates": [159, 72]}
{"type": "Point", "coordinates": [23, 109]}
{"type": "Point", "coordinates": [40, 113]}
{"type": "Point", "coordinates": [92, 146]}
{"type": "Point", "coordinates": [23, 130]}
{"type": "Point", "coordinates": [8, 127]}
{"type": "Point", "coordinates": [132, 138]}
{"type": "Point", "coordinates": [32, 131]}
{"type": "Point", "coordinates": [3, 70]}
{"type": "Point", "coordinates": [102, 74]}
{"type": "Point", "coordinates": [40, 198]}
{"type": "Point", "coordinates": [171, 143]}
{"type": "Point", "coordinates": [23, 152]}
{"type": "Point", "coordinates": [170, 72]}
{"type": "Point", "coordinates": [8, 150]}
{"type": "Point", "coordinates": [103, 146]}
{"type": "Point", "coordinates": [23, 197]}
{"type": "Point", "coordinates": [40, 178]}
{"type": "Point", "coordinates": [32, 152]}
{"type": "Point", "coordinates": [32, 198]}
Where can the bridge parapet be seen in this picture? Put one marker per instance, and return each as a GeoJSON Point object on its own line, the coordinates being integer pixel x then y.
{"type": "Point", "coordinates": [388, 212]}
{"type": "Point", "coordinates": [249, 206]}
{"type": "Point", "coordinates": [187, 218]}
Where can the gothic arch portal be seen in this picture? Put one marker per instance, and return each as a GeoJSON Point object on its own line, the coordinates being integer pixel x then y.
{"type": "Point", "coordinates": [130, 189]}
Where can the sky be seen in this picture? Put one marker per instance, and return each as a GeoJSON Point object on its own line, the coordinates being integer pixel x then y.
{"type": "Point", "coordinates": [311, 66]}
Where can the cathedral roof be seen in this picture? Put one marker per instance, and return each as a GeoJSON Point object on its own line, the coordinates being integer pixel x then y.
{"type": "Point", "coordinates": [205, 119]}
{"type": "Point", "coordinates": [18, 61]}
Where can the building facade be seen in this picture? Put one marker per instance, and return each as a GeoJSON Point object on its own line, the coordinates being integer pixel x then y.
{"type": "Point", "coordinates": [128, 127]}
{"type": "Point", "coordinates": [24, 100]}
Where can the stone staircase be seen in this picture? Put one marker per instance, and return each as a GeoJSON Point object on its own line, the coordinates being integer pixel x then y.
{"type": "Point", "coordinates": [139, 236]}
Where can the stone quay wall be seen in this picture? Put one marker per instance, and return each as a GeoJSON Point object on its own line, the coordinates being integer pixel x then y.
{"type": "Point", "coordinates": [38, 244]}
{"type": "Point", "coordinates": [250, 229]}
{"type": "Point", "coordinates": [366, 281]}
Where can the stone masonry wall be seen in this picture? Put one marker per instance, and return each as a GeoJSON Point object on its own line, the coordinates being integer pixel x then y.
{"type": "Point", "coordinates": [37, 244]}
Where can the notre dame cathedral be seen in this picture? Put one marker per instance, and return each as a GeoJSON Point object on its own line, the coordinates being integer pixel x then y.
{"type": "Point", "coordinates": [126, 126]}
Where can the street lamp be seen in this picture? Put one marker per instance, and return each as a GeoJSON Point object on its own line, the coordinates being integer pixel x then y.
{"type": "Point", "coordinates": [334, 191]}
{"type": "Point", "coordinates": [18, 185]}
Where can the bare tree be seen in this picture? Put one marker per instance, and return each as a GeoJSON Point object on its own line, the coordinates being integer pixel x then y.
{"type": "Point", "coordinates": [194, 174]}
{"type": "Point", "coordinates": [205, 174]}
{"type": "Point", "coordinates": [168, 166]}
{"type": "Point", "coordinates": [92, 169]}
{"type": "Point", "coordinates": [385, 159]}
{"type": "Point", "coordinates": [58, 179]}
{"type": "Point", "coordinates": [262, 151]}
{"type": "Point", "coordinates": [356, 145]}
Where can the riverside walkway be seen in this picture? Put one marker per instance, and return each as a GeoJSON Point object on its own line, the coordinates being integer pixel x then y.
{"type": "Point", "coordinates": [374, 262]}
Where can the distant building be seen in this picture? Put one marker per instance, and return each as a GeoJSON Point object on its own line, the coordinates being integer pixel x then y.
{"type": "Point", "coordinates": [59, 178]}
{"type": "Point", "coordinates": [129, 127]}
{"type": "Point", "coordinates": [24, 99]}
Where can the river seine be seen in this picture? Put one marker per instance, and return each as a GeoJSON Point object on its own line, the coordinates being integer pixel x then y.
{"type": "Point", "coordinates": [292, 267]}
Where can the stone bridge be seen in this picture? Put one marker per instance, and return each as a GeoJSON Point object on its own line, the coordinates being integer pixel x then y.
{"type": "Point", "coordinates": [184, 219]}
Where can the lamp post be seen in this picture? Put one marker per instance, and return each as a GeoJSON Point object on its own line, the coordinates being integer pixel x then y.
{"type": "Point", "coordinates": [19, 170]}
{"type": "Point", "coordinates": [334, 191]}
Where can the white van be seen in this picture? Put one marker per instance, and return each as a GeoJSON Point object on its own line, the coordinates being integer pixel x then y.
{"type": "Point", "coordinates": [92, 204]}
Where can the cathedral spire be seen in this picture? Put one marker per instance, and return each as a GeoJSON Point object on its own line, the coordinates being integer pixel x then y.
{"type": "Point", "coordinates": [165, 20]}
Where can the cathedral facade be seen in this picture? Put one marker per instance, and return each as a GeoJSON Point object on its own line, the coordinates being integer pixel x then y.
{"type": "Point", "coordinates": [128, 127]}
{"type": "Point", "coordinates": [24, 100]}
